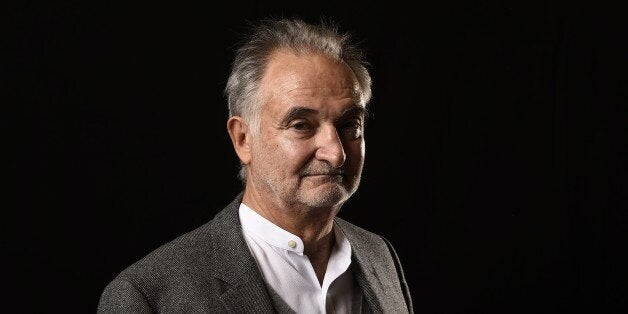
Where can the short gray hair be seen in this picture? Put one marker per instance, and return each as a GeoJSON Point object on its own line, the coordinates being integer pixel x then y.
{"type": "Point", "coordinates": [270, 35]}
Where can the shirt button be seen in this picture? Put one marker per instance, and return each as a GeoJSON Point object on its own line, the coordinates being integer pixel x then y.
{"type": "Point", "coordinates": [292, 244]}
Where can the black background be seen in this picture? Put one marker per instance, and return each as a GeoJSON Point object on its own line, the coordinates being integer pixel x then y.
{"type": "Point", "coordinates": [496, 156]}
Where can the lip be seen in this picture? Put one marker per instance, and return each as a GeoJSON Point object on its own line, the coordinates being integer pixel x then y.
{"type": "Point", "coordinates": [322, 174]}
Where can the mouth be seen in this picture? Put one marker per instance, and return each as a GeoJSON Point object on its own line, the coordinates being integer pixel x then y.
{"type": "Point", "coordinates": [329, 174]}
{"type": "Point", "coordinates": [325, 178]}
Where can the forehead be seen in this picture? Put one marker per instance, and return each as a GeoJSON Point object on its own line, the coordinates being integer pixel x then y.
{"type": "Point", "coordinates": [309, 79]}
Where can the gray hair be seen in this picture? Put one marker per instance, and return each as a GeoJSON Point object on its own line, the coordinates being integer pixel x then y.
{"type": "Point", "coordinates": [296, 35]}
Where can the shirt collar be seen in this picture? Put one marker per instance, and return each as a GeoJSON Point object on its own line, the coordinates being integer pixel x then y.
{"type": "Point", "coordinates": [262, 228]}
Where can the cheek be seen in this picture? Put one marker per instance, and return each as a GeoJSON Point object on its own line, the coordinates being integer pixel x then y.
{"type": "Point", "coordinates": [362, 148]}
{"type": "Point", "coordinates": [355, 151]}
{"type": "Point", "coordinates": [291, 155]}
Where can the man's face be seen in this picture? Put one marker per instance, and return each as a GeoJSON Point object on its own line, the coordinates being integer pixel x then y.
{"type": "Point", "coordinates": [310, 148]}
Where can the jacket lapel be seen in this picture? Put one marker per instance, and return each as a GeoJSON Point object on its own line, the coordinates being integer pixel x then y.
{"type": "Point", "coordinates": [367, 270]}
{"type": "Point", "coordinates": [366, 276]}
{"type": "Point", "coordinates": [248, 295]}
{"type": "Point", "coordinates": [246, 291]}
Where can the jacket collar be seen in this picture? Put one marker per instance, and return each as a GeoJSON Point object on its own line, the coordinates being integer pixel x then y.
{"type": "Point", "coordinates": [367, 269]}
{"type": "Point", "coordinates": [235, 265]}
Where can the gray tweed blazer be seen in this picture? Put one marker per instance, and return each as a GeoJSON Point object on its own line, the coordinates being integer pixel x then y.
{"type": "Point", "coordinates": [210, 270]}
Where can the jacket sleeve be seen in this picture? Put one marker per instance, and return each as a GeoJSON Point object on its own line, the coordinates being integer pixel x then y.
{"type": "Point", "coordinates": [121, 296]}
{"type": "Point", "coordinates": [402, 278]}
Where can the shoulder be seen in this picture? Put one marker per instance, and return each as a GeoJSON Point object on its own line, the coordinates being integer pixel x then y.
{"type": "Point", "coordinates": [374, 254]}
{"type": "Point", "coordinates": [165, 276]}
{"type": "Point", "coordinates": [369, 247]}
{"type": "Point", "coordinates": [179, 269]}
{"type": "Point", "coordinates": [360, 237]}
{"type": "Point", "coordinates": [185, 251]}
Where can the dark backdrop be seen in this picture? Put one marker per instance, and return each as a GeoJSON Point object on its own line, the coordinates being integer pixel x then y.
{"type": "Point", "coordinates": [496, 156]}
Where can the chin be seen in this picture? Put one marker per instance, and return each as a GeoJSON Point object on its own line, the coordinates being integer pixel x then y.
{"type": "Point", "coordinates": [328, 197]}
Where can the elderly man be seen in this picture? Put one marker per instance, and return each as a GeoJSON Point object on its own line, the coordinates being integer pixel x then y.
{"type": "Point", "coordinates": [297, 99]}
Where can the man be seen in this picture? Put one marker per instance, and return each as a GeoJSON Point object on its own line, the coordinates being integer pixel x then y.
{"type": "Point", "coordinates": [297, 99]}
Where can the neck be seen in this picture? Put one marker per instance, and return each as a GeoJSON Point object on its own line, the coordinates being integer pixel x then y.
{"type": "Point", "coordinates": [313, 225]}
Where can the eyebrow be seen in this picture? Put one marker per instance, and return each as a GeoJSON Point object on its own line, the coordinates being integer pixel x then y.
{"type": "Point", "coordinates": [300, 111]}
{"type": "Point", "coordinates": [295, 112]}
{"type": "Point", "coordinates": [354, 110]}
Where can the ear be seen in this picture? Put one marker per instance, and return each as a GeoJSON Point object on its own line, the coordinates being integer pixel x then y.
{"type": "Point", "coordinates": [240, 138]}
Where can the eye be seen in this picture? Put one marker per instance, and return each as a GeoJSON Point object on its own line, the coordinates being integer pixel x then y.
{"type": "Point", "coordinates": [352, 124]}
{"type": "Point", "coordinates": [352, 128]}
{"type": "Point", "coordinates": [301, 125]}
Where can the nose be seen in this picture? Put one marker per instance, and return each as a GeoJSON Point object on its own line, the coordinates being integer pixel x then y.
{"type": "Point", "coordinates": [330, 147]}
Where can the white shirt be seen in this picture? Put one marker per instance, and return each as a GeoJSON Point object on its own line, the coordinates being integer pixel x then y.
{"type": "Point", "coordinates": [279, 255]}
